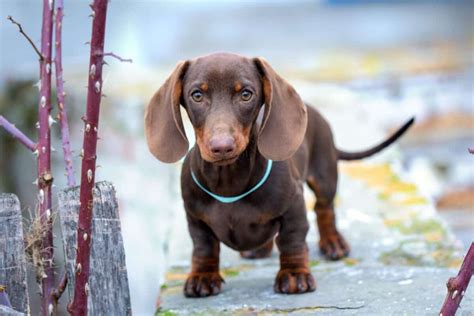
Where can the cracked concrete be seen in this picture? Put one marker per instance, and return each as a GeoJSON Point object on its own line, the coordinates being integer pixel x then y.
{"type": "Point", "coordinates": [342, 290]}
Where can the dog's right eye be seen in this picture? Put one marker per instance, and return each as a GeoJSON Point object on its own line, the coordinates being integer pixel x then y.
{"type": "Point", "coordinates": [197, 96]}
{"type": "Point", "coordinates": [246, 95]}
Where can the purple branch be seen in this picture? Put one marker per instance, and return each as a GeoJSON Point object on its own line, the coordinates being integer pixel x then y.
{"type": "Point", "coordinates": [78, 306]}
{"type": "Point", "coordinates": [60, 95]}
{"type": "Point", "coordinates": [457, 286]}
{"type": "Point", "coordinates": [17, 134]}
{"type": "Point", "coordinates": [129, 60]}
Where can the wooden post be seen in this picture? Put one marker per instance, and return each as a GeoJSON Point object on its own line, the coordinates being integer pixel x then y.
{"type": "Point", "coordinates": [12, 255]}
{"type": "Point", "coordinates": [7, 311]}
{"type": "Point", "coordinates": [107, 289]}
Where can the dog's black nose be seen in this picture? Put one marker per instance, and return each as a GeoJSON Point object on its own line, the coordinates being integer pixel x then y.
{"type": "Point", "coordinates": [222, 145]}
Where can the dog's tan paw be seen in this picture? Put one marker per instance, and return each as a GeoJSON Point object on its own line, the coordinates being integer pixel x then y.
{"type": "Point", "coordinates": [294, 282]}
{"type": "Point", "coordinates": [203, 284]}
{"type": "Point", "coordinates": [334, 246]}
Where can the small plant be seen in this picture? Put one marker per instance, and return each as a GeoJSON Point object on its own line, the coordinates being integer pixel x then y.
{"type": "Point", "coordinates": [39, 241]}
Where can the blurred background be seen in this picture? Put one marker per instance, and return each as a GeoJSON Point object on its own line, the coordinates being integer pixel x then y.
{"type": "Point", "coordinates": [362, 63]}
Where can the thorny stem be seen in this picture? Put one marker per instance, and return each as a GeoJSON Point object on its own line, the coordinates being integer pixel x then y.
{"type": "Point", "coordinates": [60, 95]}
{"type": "Point", "coordinates": [128, 60]}
{"type": "Point", "coordinates": [45, 179]}
{"type": "Point", "coordinates": [81, 288]}
{"type": "Point", "coordinates": [20, 28]}
{"type": "Point", "coordinates": [17, 134]}
{"type": "Point", "coordinates": [457, 286]}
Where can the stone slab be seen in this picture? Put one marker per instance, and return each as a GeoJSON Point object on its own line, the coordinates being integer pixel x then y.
{"type": "Point", "coordinates": [342, 290]}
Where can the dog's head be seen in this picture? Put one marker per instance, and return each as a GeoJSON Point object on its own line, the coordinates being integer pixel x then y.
{"type": "Point", "coordinates": [223, 94]}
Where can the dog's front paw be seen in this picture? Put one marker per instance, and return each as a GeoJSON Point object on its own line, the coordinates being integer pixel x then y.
{"type": "Point", "coordinates": [333, 246]}
{"type": "Point", "coordinates": [290, 281]}
{"type": "Point", "coordinates": [202, 284]}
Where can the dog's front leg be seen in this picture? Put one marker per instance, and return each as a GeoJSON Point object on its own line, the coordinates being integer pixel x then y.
{"type": "Point", "coordinates": [294, 275]}
{"type": "Point", "coordinates": [204, 279]}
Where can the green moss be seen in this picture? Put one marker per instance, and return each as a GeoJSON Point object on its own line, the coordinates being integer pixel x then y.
{"type": "Point", "coordinates": [235, 271]}
{"type": "Point", "coordinates": [350, 261]}
{"type": "Point", "coordinates": [176, 269]}
{"type": "Point", "coordinates": [423, 227]}
{"type": "Point", "coordinates": [230, 272]}
{"type": "Point", "coordinates": [164, 286]}
{"type": "Point", "coordinates": [436, 254]}
{"type": "Point", "coordinates": [399, 257]}
{"type": "Point", "coordinates": [161, 312]}
{"type": "Point", "coordinates": [395, 178]}
{"type": "Point", "coordinates": [420, 227]}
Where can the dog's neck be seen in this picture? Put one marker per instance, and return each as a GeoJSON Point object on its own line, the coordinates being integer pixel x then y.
{"type": "Point", "coordinates": [235, 178]}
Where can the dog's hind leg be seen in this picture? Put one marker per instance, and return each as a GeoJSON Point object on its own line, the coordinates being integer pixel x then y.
{"type": "Point", "coordinates": [331, 243]}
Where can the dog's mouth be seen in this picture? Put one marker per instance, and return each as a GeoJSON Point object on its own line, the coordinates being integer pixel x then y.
{"type": "Point", "coordinates": [225, 161]}
{"type": "Point", "coordinates": [221, 161]}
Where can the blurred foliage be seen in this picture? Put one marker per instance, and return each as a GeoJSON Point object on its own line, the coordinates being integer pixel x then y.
{"type": "Point", "coordinates": [18, 104]}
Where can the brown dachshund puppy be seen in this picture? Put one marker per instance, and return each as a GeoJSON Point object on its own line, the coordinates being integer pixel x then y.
{"type": "Point", "coordinates": [243, 183]}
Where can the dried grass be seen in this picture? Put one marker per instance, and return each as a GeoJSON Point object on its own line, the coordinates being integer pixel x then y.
{"type": "Point", "coordinates": [35, 230]}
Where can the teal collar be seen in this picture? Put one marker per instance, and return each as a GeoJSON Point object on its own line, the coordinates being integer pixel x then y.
{"type": "Point", "coordinates": [232, 199]}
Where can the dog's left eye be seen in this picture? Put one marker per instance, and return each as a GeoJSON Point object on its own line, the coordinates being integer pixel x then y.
{"type": "Point", "coordinates": [197, 96]}
{"type": "Point", "coordinates": [246, 95]}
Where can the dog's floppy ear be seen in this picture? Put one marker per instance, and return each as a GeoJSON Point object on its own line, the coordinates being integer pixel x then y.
{"type": "Point", "coordinates": [164, 129]}
{"type": "Point", "coordinates": [285, 117]}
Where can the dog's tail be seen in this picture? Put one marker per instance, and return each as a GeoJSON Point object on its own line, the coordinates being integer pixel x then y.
{"type": "Point", "coordinates": [344, 155]}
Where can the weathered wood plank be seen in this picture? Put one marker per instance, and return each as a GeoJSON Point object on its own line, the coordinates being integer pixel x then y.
{"type": "Point", "coordinates": [7, 311]}
{"type": "Point", "coordinates": [108, 283]}
{"type": "Point", "coordinates": [12, 253]}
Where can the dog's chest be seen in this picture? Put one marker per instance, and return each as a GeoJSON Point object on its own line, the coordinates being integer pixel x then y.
{"type": "Point", "coordinates": [242, 226]}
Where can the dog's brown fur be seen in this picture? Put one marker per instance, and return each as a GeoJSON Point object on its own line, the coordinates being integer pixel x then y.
{"type": "Point", "coordinates": [296, 137]}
